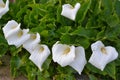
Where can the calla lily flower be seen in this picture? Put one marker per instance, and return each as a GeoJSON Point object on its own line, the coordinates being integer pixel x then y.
{"type": "Point", "coordinates": [70, 12]}
{"type": "Point", "coordinates": [30, 44]}
{"type": "Point", "coordinates": [10, 28]}
{"type": "Point", "coordinates": [80, 60]}
{"type": "Point", "coordinates": [102, 55]}
{"type": "Point", "coordinates": [63, 54]}
{"type": "Point", "coordinates": [18, 38]}
{"type": "Point", "coordinates": [4, 7]}
{"type": "Point", "coordinates": [69, 55]}
{"type": "Point", "coordinates": [39, 55]}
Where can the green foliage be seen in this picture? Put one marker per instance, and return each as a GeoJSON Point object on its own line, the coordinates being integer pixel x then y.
{"type": "Point", "coordinates": [3, 45]}
{"type": "Point", "coordinates": [96, 20]}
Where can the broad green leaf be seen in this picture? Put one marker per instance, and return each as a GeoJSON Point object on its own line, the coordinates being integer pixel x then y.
{"type": "Point", "coordinates": [14, 65]}
{"type": "Point", "coordinates": [117, 7]}
{"type": "Point", "coordinates": [14, 51]}
{"type": "Point", "coordinates": [95, 7]}
{"type": "Point", "coordinates": [111, 70]}
{"type": "Point", "coordinates": [65, 39]}
{"type": "Point", "coordinates": [64, 29]}
{"type": "Point", "coordinates": [31, 72]}
{"type": "Point", "coordinates": [43, 1]}
{"type": "Point", "coordinates": [21, 12]}
{"type": "Point", "coordinates": [112, 20]}
{"type": "Point", "coordinates": [92, 77]}
{"type": "Point", "coordinates": [3, 49]}
{"type": "Point", "coordinates": [108, 6]}
{"type": "Point", "coordinates": [101, 34]}
{"type": "Point", "coordinates": [44, 33]}
{"type": "Point", "coordinates": [43, 75]}
{"type": "Point", "coordinates": [81, 41]}
{"type": "Point", "coordinates": [93, 69]}
{"type": "Point", "coordinates": [3, 46]}
{"type": "Point", "coordinates": [87, 33]}
{"type": "Point", "coordinates": [112, 33]}
{"type": "Point", "coordinates": [46, 64]}
{"type": "Point", "coordinates": [83, 10]}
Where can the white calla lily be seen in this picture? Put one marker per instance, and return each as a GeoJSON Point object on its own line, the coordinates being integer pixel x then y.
{"type": "Point", "coordinates": [18, 38]}
{"type": "Point", "coordinates": [4, 7]}
{"type": "Point", "coordinates": [39, 55]}
{"type": "Point", "coordinates": [70, 12]}
{"type": "Point", "coordinates": [63, 54]}
{"type": "Point", "coordinates": [31, 42]}
{"type": "Point", "coordinates": [10, 28]}
{"type": "Point", "coordinates": [102, 55]}
{"type": "Point", "coordinates": [80, 60]}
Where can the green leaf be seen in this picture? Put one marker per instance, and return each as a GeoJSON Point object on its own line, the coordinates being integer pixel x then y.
{"type": "Point", "coordinates": [112, 33]}
{"type": "Point", "coordinates": [46, 64]}
{"type": "Point", "coordinates": [14, 64]}
{"type": "Point", "coordinates": [43, 1]}
{"type": "Point", "coordinates": [112, 20]}
{"type": "Point", "coordinates": [96, 7]}
{"type": "Point", "coordinates": [108, 6]}
{"type": "Point", "coordinates": [65, 39]}
{"type": "Point", "coordinates": [93, 69]}
{"type": "Point", "coordinates": [31, 72]}
{"type": "Point", "coordinates": [92, 77]}
{"type": "Point", "coordinates": [64, 29]}
{"type": "Point", "coordinates": [44, 33]}
{"type": "Point", "coordinates": [14, 51]}
{"type": "Point", "coordinates": [101, 34]}
{"type": "Point", "coordinates": [87, 33]}
{"type": "Point", "coordinates": [117, 7]}
{"type": "Point", "coordinates": [111, 70]}
{"type": "Point", "coordinates": [3, 45]}
{"type": "Point", "coordinates": [81, 41]}
{"type": "Point", "coordinates": [3, 49]}
{"type": "Point", "coordinates": [83, 11]}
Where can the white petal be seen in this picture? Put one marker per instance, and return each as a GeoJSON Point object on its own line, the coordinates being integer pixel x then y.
{"type": "Point", "coordinates": [80, 60]}
{"type": "Point", "coordinates": [69, 12]}
{"type": "Point", "coordinates": [31, 42]}
{"type": "Point", "coordinates": [101, 57]}
{"type": "Point", "coordinates": [97, 45]}
{"type": "Point", "coordinates": [18, 38]}
{"type": "Point", "coordinates": [112, 52]}
{"type": "Point", "coordinates": [39, 55]}
{"type": "Point", "coordinates": [4, 8]}
{"type": "Point", "coordinates": [10, 28]}
{"type": "Point", "coordinates": [63, 54]}
{"type": "Point", "coordinates": [1, 3]}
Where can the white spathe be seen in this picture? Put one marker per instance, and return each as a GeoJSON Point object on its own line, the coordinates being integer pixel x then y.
{"type": "Point", "coordinates": [102, 55]}
{"type": "Point", "coordinates": [39, 55]}
{"type": "Point", "coordinates": [18, 38]}
{"type": "Point", "coordinates": [70, 12]}
{"type": "Point", "coordinates": [10, 28]}
{"type": "Point", "coordinates": [63, 54]}
{"type": "Point", "coordinates": [4, 7]}
{"type": "Point", "coordinates": [30, 44]}
{"type": "Point", "coordinates": [80, 60]}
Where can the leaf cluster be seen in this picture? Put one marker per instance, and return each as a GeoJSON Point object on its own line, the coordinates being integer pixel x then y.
{"type": "Point", "coordinates": [96, 20]}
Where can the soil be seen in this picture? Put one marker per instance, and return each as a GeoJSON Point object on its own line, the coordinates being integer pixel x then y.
{"type": "Point", "coordinates": [5, 69]}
